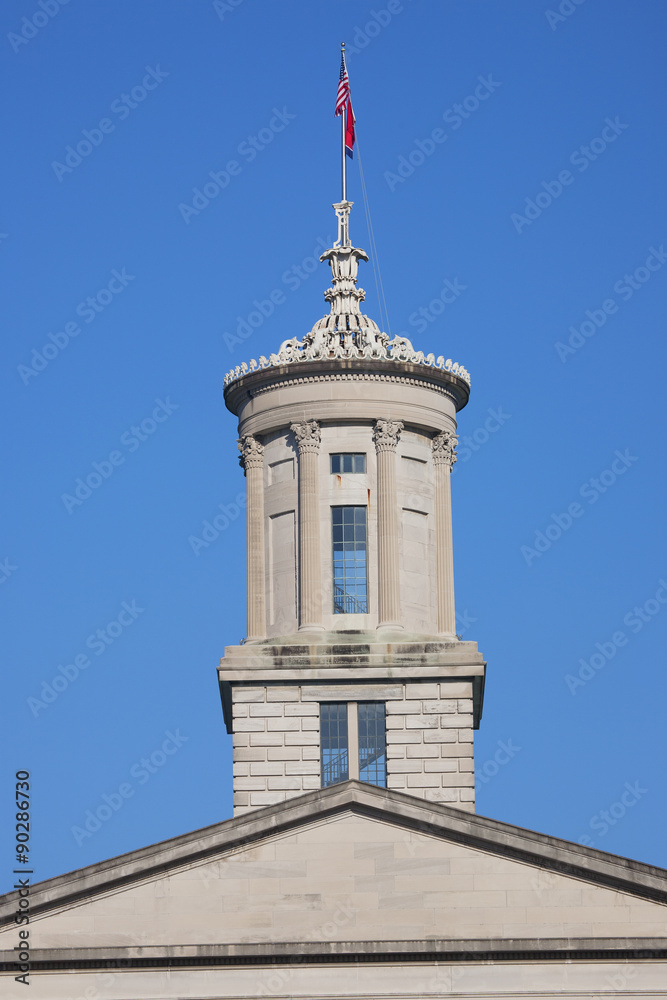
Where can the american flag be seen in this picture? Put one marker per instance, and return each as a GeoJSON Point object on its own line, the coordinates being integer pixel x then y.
{"type": "Point", "coordinates": [343, 95]}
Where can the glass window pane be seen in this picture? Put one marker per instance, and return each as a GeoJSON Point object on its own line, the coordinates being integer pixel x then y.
{"type": "Point", "coordinates": [333, 740]}
{"type": "Point", "coordinates": [349, 560]}
{"type": "Point", "coordinates": [372, 743]}
{"type": "Point", "coordinates": [348, 462]}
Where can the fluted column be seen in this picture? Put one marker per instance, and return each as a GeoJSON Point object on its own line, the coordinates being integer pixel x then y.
{"type": "Point", "coordinates": [252, 461]}
{"type": "Point", "coordinates": [307, 434]}
{"type": "Point", "coordinates": [444, 457]}
{"type": "Point", "coordinates": [385, 435]}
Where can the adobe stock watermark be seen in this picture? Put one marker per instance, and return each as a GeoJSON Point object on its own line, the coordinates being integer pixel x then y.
{"type": "Point", "coordinates": [566, 8]}
{"type": "Point", "coordinates": [292, 278]}
{"type": "Point", "coordinates": [582, 157]}
{"type": "Point", "coordinates": [471, 443]}
{"type": "Point", "coordinates": [602, 822]}
{"type": "Point", "coordinates": [223, 7]}
{"type": "Point", "coordinates": [97, 642]}
{"type": "Point", "coordinates": [211, 530]}
{"type": "Point", "coordinates": [454, 116]}
{"type": "Point", "coordinates": [32, 25]}
{"type": "Point", "coordinates": [591, 491]}
{"type": "Point", "coordinates": [421, 318]}
{"type": "Point", "coordinates": [7, 569]}
{"type": "Point", "coordinates": [142, 771]}
{"type": "Point", "coordinates": [88, 310]}
{"type": "Point", "coordinates": [634, 620]}
{"type": "Point", "coordinates": [131, 440]}
{"type": "Point", "coordinates": [122, 107]}
{"type": "Point", "coordinates": [625, 287]}
{"type": "Point", "coordinates": [249, 149]}
{"type": "Point", "coordinates": [506, 751]}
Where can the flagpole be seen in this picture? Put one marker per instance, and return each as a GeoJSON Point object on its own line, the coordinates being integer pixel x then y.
{"type": "Point", "coordinates": [343, 121]}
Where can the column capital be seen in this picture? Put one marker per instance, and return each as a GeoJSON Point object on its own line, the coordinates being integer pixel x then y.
{"type": "Point", "coordinates": [308, 435]}
{"type": "Point", "coordinates": [252, 453]}
{"type": "Point", "coordinates": [444, 448]}
{"type": "Point", "coordinates": [386, 434]}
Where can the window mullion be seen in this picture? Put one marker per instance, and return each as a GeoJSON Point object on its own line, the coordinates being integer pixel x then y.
{"type": "Point", "coordinates": [353, 739]}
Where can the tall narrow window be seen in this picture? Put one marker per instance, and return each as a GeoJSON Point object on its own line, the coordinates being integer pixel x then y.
{"type": "Point", "coordinates": [372, 743]}
{"type": "Point", "coordinates": [333, 740]}
{"type": "Point", "coordinates": [349, 560]}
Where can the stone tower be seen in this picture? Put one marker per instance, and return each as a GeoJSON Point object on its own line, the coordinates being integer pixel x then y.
{"type": "Point", "coordinates": [351, 667]}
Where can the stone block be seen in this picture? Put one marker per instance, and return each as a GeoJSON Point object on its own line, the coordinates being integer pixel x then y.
{"type": "Point", "coordinates": [267, 767]}
{"type": "Point", "coordinates": [266, 739]}
{"type": "Point", "coordinates": [422, 721]}
{"type": "Point", "coordinates": [403, 736]}
{"type": "Point", "coordinates": [266, 798]}
{"type": "Point", "coordinates": [457, 780]}
{"type": "Point", "coordinates": [421, 691]}
{"type": "Point", "coordinates": [310, 782]}
{"type": "Point", "coordinates": [292, 783]}
{"type": "Point", "coordinates": [441, 794]}
{"type": "Point", "coordinates": [422, 750]}
{"type": "Point", "coordinates": [241, 798]}
{"type": "Point", "coordinates": [248, 694]}
{"type": "Point", "coordinates": [455, 689]}
{"type": "Point", "coordinates": [240, 740]}
{"type": "Point", "coordinates": [466, 764]}
{"type": "Point", "coordinates": [302, 739]}
{"type": "Point", "coordinates": [310, 725]}
{"type": "Point", "coordinates": [437, 707]}
{"type": "Point", "coordinates": [394, 751]}
{"type": "Point", "coordinates": [240, 769]}
{"type": "Point", "coordinates": [302, 767]}
{"type": "Point", "coordinates": [423, 780]}
{"type": "Point", "coordinates": [459, 721]}
{"type": "Point", "coordinates": [249, 725]}
{"type": "Point", "coordinates": [265, 710]}
{"type": "Point", "coordinates": [467, 794]}
{"type": "Point", "coordinates": [465, 705]}
{"type": "Point", "coordinates": [277, 693]}
{"type": "Point", "coordinates": [441, 765]}
{"type": "Point", "coordinates": [395, 781]}
{"type": "Point", "coordinates": [439, 735]}
{"type": "Point", "coordinates": [308, 709]}
{"type": "Point", "coordinates": [250, 753]}
{"type": "Point", "coordinates": [282, 753]}
{"type": "Point", "coordinates": [403, 708]}
{"type": "Point", "coordinates": [395, 722]}
{"type": "Point", "coordinates": [239, 711]}
{"type": "Point", "coordinates": [249, 784]}
{"type": "Point", "coordinates": [403, 766]}
{"type": "Point", "coordinates": [466, 735]}
{"type": "Point", "coordinates": [283, 725]}
{"type": "Point", "coordinates": [311, 753]}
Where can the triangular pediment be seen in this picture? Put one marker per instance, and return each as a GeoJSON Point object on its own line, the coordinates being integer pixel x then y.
{"type": "Point", "coordinates": [352, 863]}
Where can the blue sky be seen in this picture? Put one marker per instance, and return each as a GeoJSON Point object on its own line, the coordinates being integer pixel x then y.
{"type": "Point", "coordinates": [541, 198]}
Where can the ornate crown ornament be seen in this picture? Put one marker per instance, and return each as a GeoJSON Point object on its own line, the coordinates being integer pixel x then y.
{"type": "Point", "coordinates": [346, 332]}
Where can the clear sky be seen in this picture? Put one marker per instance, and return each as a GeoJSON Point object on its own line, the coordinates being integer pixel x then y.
{"type": "Point", "coordinates": [517, 153]}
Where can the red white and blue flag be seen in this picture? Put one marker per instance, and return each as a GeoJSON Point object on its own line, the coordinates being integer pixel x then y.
{"type": "Point", "coordinates": [344, 104]}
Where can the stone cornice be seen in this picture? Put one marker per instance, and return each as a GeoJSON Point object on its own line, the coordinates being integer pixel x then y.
{"type": "Point", "coordinates": [395, 808]}
{"type": "Point", "coordinates": [262, 380]}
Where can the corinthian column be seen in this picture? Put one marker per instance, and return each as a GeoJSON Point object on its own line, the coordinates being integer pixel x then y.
{"type": "Point", "coordinates": [252, 461]}
{"type": "Point", "coordinates": [385, 435]}
{"type": "Point", "coordinates": [443, 459]}
{"type": "Point", "coordinates": [307, 434]}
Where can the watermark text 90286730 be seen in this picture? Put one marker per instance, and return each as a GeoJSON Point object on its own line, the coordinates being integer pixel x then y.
{"type": "Point", "coordinates": [22, 883]}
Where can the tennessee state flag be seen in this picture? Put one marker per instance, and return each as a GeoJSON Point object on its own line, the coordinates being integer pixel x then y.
{"type": "Point", "coordinates": [344, 104]}
{"type": "Point", "coordinates": [349, 129]}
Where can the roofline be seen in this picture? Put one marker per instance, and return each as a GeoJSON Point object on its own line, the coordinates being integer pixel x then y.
{"type": "Point", "coordinates": [397, 808]}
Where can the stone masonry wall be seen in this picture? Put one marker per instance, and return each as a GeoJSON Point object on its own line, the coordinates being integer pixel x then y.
{"type": "Point", "coordinates": [277, 740]}
{"type": "Point", "coordinates": [430, 743]}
